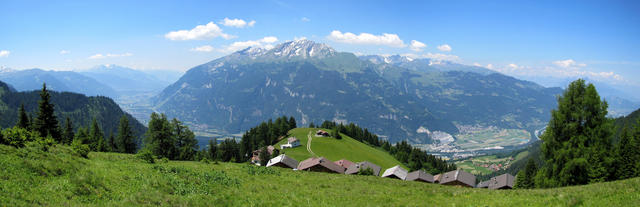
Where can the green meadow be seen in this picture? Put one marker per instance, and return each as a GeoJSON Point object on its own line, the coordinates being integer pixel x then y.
{"type": "Point", "coordinates": [32, 177]}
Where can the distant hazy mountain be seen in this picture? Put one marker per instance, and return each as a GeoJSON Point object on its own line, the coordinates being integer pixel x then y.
{"type": "Point", "coordinates": [32, 79]}
{"type": "Point", "coordinates": [126, 80]}
{"type": "Point", "coordinates": [313, 82]}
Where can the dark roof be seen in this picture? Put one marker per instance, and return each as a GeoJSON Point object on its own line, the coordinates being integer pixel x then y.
{"type": "Point", "coordinates": [320, 164]}
{"type": "Point", "coordinates": [283, 161]}
{"type": "Point", "coordinates": [355, 168]}
{"type": "Point", "coordinates": [504, 181]}
{"type": "Point", "coordinates": [458, 177]}
{"type": "Point", "coordinates": [420, 175]}
{"type": "Point", "coordinates": [344, 163]}
{"type": "Point", "coordinates": [395, 172]}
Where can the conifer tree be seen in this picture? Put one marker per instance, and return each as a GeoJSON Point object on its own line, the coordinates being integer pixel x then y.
{"type": "Point", "coordinates": [264, 156]}
{"type": "Point", "coordinates": [111, 143]}
{"type": "Point", "coordinates": [627, 156]}
{"type": "Point", "coordinates": [125, 141]}
{"type": "Point", "coordinates": [68, 135]}
{"type": "Point", "coordinates": [158, 138]}
{"type": "Point", "coordinates": [96, 137]}
{"type": "Point", "coordinates": [186, 142]}
{"type": "Point", "coordinates": [46, 122]}
{"type": "Point", "coordinates": [292, 123]}
{"type": "Point", "coordinates": [577, 141]}
{"type": "Point", "coordinates": [212, 150]}
{"type": "Point", "coordinates": [23, 119]}
{"type": "Point", "coordinates": [82, 136]}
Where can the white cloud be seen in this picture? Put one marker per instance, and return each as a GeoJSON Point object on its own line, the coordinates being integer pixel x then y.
{"type": "Point", "coordinates": [62, 52]}
{"type": "Point", "coordinates": [391, 40]}
{"type": "Point", "coordinates": [200, 32]}
{"type": "Point", "coordinates": [568, 63]}
{"type": "Point", "coordinates": [265, 42]}
{"type": "Point", "coordinates": [204, 48]}
{"type": "Point", "coordinates": [304, 19]}
{"type": "Point", "coordinates": [417, 45]}
{"type": "Point", "coordinates": [490, 66]}
{"type": "Point", "coordinates": [513, 66]}
{"type": "Point", "coordinates": [444, 48]}
{"type": "Point", "coordinates": [299, 38]}
{"type": "Point", "coordinates": [238, 23]}
{"type": "Point", "coordinates": [560, 69]}
{"type": "Point", "coordinates": [4, 53]}
{"type": "Point", "coordinates": [109, 55]}
{"type": "Point", "coordinates": [477, 64]}
{"type": "Point", "coordinates": [434, 56]}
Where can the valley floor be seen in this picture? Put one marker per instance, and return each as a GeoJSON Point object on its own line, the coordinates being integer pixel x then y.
{"type": "Point", "coordinates": [31, 177]}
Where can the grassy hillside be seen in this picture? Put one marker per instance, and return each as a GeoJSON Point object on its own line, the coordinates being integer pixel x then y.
{"type": "Point", "coordinates": [31, 177]}
{"type": "Point", "coordinates": [337, 149]}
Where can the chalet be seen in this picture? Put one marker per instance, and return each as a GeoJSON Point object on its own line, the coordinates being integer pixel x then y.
{"type": "Point", "coordinates": [255, 158]}
{"type": "Point", "coordinates": [459, 178]}
{"type": "Point", "coordinates": [395, 172]}
{"type": "Point", "coordinates": [420, 175]}
{"type": "Point", "coordinates": [504, 181]}
{"type": "Point", "coordinates": [344, 163]}
{"type": "Point", "coordinates": [436, 178]}
{"type": "Point", "coordinates": [483, 184]}
{"type": "Point", "coordinates": [494, 167]}
{"type": "Point", "coordinates": [355, 168]}
{"type": "Point", "coordinates": [322, 133]}
{"type": "Point", "coordinates": [283, 161]}
{"type": "Point", "coordinates": [320, 164]}
{"type": "Point", "coordinates": [291, 143]}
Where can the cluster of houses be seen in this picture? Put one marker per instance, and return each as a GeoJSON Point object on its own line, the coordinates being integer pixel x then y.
{"type": "Point", "coordinates": [455, 178]}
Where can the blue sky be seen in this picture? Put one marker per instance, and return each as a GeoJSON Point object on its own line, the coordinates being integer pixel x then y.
{"type": "Point", "coordinates": [527, 39]}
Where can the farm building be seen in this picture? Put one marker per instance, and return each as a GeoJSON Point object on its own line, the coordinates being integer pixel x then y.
{"type": "Point", "coordinates": [291, 143]}
{"type": "Point", "coordinates": [504, 181]}
{"type": "Point", "coordinates": [459, 178]}
{"type": "Point", "coordinates": [344, 163]}
{"type": "Point", "coordinates": [483, 184]}
{"type": "Point", "coordinates": [322, 133]}
{"type": "Point", "coordinates": [320, 164]}
{"type": "Point", "coordinates": [395, 172]}
{"type": "Point", "coordinates": [355, 168]}
{"type": "Point", "coordinates": [283, 161]}
{"type": "Point", "coordinates": [420, 175]}
{"type": "Point", "coordinates": [255, 158]}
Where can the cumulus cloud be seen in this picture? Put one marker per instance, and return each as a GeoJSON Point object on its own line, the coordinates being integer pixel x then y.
{"type": "Point", "coordinates": [558, 70]}
{"type": "Point", "coordinates": [513, 66]}
{"type": "Point", "coordinates": [417, 45]}
{"type": "Point", "coordinates": [200, 32]}
{"type": "Point", "coordinates": [568, 63]}
{"type": "Point", "coordinates": [238, 23]}
{"type": "Point", "coordinates": [62, 52]}
{"type": "Point", "coordinates": [304, 19]}
{"type": "Point", "coordinates": [109, 55]}
{"type": "Point", "coordinates": [391, 40]}
{"type": "Point", "coordinates": [204, 48]}
{"type": "Point", "coordinates": [444, 48]}
{"type": "Point", "coordinates": [4, 53]}
{"type": "Point", "coordinates": [265, 42]}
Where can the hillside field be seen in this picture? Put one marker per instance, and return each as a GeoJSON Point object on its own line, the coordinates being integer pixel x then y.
{"type": "Point", "coordinates": [32, 177]}
{"type": "Point", "coordinates": [336, 149]}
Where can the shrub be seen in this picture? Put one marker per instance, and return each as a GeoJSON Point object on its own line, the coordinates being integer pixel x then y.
{"type": "Point", "coordinates": [17, 137]}
{"type": "Point", "coordinates": [205, 161]}
{"type": "Point", "coordinates": [366, 171]}
{"type": "Point", "coordinates": [255, 170]}
{"type": "Point", "coordinates": [80, 149]}
{"type": "Point", "coordinates": [146, 155]}
{"type": "Point", "coordinates": [164, 160]}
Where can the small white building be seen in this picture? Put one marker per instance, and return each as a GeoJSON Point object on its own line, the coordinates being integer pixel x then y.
{"type": "Point", "coordinates": [291, 143]}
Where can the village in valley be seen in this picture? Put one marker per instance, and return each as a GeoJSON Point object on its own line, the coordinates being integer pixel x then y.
{"type": "Point", "coordinates": [458, 177]}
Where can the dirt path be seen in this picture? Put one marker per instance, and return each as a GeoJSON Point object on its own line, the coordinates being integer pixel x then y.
{"type": "Point", "coordinates": [309, 144]}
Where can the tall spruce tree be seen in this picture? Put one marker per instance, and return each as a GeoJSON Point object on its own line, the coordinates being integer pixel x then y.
{"type": "Point", "coordinates": [159, 139]}
{"type": "Point", "coordinates": [627, 156]}
{"type": "Point", "coordinates": [125, 141]}
{"type": "Point", "coordinates": [186, 142]}
{"type": "Point", "coordinates": [68, 135]}
{"type": "Point", "coordinates": [212, 150]}
{"type": "Point", "coordinates": [96, 137]}
{"type": "Point", "coordinates": [23, 119]}
{"type": "Point", "coordinates": [46, 123]}
{"type": "Point", "coordinates": [292, 123]}
{"type": "Point", "coordinates": [577, 141]}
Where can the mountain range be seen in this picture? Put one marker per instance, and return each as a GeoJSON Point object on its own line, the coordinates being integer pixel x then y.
{"type": "Point", "coordinates": [395, 97]}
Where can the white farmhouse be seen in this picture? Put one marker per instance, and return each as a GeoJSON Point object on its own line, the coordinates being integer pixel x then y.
{"type": "Point", "coordinates": [291, 143]}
